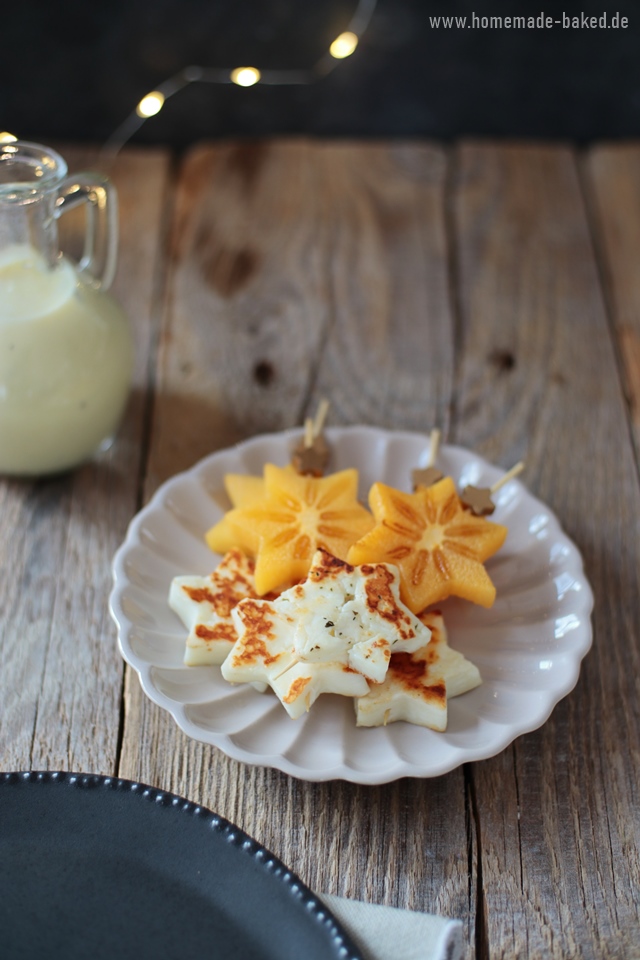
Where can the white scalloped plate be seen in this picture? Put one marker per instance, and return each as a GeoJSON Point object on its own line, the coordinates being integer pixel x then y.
{"type": "Point", "coordinates": [528, 646]}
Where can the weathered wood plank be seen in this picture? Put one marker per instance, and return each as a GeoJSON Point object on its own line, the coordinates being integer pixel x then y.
{"type": "Point", "coordinates": [246, 309]}
{"type": "Point", "coordinates": [388, 355]}
{"type": "Point", "coordinates": [558, 813]}
{"type": "Point", "coordinates": [60, 671]}
{"type": "Point", "coordinates": [294, 267]}
{"type": "Point", "coordinates": [295, 240]}
{"type": "Point", "coordinates": [613, 189]}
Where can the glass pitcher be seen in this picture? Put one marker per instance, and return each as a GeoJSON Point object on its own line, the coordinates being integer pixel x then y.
{"type": "Point", "coordinates": [66, 352]}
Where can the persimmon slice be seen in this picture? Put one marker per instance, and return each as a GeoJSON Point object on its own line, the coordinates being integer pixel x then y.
{"type": "Point", "coordinates": [439, 547]}
{"type": "Point", "coordinates": [297, 515]}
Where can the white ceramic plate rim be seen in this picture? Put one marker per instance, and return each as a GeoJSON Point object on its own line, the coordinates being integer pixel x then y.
{"type": "Point", "coordinates": [562, 679]}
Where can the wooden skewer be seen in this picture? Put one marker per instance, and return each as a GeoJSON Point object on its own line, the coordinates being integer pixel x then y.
{"type": "Point", "coordinates": [509, 475]}
{"type": "Point", "coordinates": [308, 432]}
{"type": "Point", "coordinates": [311, 456]}
{"type": "Point", "coordinates": [434, 444]}
{"type": "Point", "coordinates": [320, 418]}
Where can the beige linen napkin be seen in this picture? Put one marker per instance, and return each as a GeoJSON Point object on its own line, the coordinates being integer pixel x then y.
{"type": "Point", "coordinates": [386, 933]}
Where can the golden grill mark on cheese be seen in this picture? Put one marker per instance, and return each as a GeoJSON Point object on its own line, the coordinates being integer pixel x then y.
{"type": "Point", "coordinates": [413, 675]}
{"type": "Point", "coordinates": [205, 605]}
{"type": "Point", "coordinates": [380, 598]}
{"type": "Point", "coordinates": [301, 685]}
{"type": "Point", "coordinates": [335, 631]}
{"type": "Point", "coordinates": [326, 566]}
{"type": "Point", "coordinates": [222, 631]}
{"type": "Point", "coordinates": [296, 688]}
{"type": "Point", "coordinates": [258, 631]}
{"type": "Point", "coordinates": [419, 684]}
{"type": "Point", "coordinates": [199, 594]}
{"type": "Point", "coordinates": [227, 591]}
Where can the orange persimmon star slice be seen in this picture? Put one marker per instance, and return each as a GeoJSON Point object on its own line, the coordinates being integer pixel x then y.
{"type": "Point", "coordinates": [439, 547]}
{"type": "Point", "coordinates": [225, 536]}
{"type": "Point", "coordinates": [298, 515]}
{"type": "Point", "coordinates": [244, 490]}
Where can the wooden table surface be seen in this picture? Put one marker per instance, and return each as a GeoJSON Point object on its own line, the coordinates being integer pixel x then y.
{"type": "Point", "coordinates": [492, 289]}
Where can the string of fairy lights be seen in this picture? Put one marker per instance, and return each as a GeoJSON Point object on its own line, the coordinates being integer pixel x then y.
{"type": "Point", "coordinates": [153, 102]}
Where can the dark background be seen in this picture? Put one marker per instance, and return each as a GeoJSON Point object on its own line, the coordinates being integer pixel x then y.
{"type": "Point", "coordinates": [76, 70]}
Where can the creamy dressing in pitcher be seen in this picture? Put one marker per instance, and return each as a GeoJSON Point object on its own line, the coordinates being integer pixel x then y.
{"type": "Point", "coordinates": [65, 364]}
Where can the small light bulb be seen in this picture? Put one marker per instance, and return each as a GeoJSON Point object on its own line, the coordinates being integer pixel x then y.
{"type": "Point", "coordinates": [151, 104]}
{"type": "Point", "coordinates": [344, 45]}
{"type": "Point", "coordinates": [7, 137]}
{"type": "Point", "coordinates": [245, 76]}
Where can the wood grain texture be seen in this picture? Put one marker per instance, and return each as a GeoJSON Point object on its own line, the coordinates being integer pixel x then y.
{"type": "Point", "coordinates": [558, 815]}
{"type": "Point", "coordinates": [388, 353]}
{"type": "Point", "coordinates": [292, 266]}
{"type": "Point", "coordinates": [61, 672]}
{"type": "Point", "coordinates": [612, 185]}
{"type": "Point", "coordinates": [297, 268]}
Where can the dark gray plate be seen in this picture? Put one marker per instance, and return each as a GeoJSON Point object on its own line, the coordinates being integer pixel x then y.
{"type": "Point", "coordinates": [108, 869]}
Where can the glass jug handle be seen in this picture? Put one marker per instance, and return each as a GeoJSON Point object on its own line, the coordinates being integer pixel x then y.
{"type": "Point", "coordinates": [98, 263]}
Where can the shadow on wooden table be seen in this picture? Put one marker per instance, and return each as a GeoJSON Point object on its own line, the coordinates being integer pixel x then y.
{"type": "Point", "coordinates": [187, 427]}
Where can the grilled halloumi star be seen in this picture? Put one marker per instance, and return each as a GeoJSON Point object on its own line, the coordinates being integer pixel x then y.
{"type": "Point", "coordinates": [418, 685]}
{"type": "Point", "coordinates": [351, 614]}
{"type": "Point", "coordinates": [338, 628]}
{"type": "Point", "coordinates": [460, 675]}
{"type": "Point", "coordinates": [204, 605]}
{"type": "Point", "coordinates": [301, 685]}
{"type": "Point", "coordinates": [265, 652]}
{"type": "Point", "coordinates": [264, 648]}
